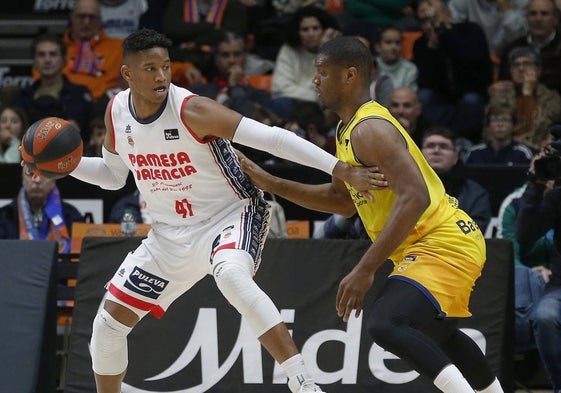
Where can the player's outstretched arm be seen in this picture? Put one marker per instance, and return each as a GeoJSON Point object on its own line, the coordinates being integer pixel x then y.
{"type": "Point", "coordinates": [207, 118]}
{"type": "Point", "coordinates": [109, 171]}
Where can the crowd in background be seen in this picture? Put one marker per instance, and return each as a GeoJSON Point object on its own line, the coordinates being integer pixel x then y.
{"type": "Point", "coordinates": [473, 82]}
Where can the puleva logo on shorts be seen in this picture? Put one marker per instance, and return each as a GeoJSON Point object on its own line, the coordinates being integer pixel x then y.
{"type": "Point", "coordinates": [146, 284]}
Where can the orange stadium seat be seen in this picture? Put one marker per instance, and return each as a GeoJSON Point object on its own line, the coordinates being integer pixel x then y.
{"type": "Point", "coordinates": [263, 82]}
{"type": "Point", "coordinates": [408, 38]}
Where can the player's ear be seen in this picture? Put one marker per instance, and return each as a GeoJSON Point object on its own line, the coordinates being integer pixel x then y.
{"type": "Point", "coordinates": [125, 72]}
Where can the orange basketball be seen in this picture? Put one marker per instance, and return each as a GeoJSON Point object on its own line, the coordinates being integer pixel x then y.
{"type": "Point", "coordinates": [52, 147]}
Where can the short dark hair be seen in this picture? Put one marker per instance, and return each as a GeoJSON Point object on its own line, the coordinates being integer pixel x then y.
{"type": "Point", "coordinates": [442, 131]}
{"type": "Point", "coordinates": [524, 51]}
{"type": "Point", "coordinates": [144, 39]}
{"type": "Point", "coordinates": [55, 39]}
{"type": "Point", "coordinates": [348, 51]}
{"type": "Point", "coordinates": [326, 20]}
{"type": "Point", "coordinates": [497, 108]}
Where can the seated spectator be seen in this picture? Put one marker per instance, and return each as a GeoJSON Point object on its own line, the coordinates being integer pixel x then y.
{"type": "Point", "coordinates": [381, 84]}
{"type": "Point", "coordinates": [53, 94]}
{"type": "Point", "coordinates": [97, 132]}
{"type": "Point", "coordinates": [441, 152]}
{"type": "Point", "coordinates": [308, 121]}
{"type": "Point", "coordinates": [500, 147]}
{"type": "Point", "coordinates": [500, 20]}
{"type": "Point", "coordinates": [538, 214]}
{"type": "Point", "coordinates": [543, 35]}
{"type": "Point", "coordinates": [39, 213]}
{"type": "Point", "coordinates": [537, 107]}
{"type": "Point", "coordinates": [119, 18]}
{"type": "Point", "coordinates": [229, 85]}
{"type": "Point", "coordinates": [362, 17]}
{"type": "Point", "coordinates": [455, 70]}
{"type": "Point", "coordinates": [406, 108]}
{"type": "Point", "coordinates": [195, 27]}
{"type": "Point", "coordinates": [13, 124]}
{"type": "Point", "coordinates": [390, 60]}
{"type": "Point", "coordinates": [135, 204]}
{"type": "Point", "coordinates": [532, 268]}
{"type": "Point", "coordinates": [93, 58]}
{"type": "Point", "coordinates": [294, 69]}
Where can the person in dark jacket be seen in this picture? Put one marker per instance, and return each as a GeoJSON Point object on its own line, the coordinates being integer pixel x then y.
{"type": "Point", "coordinates": [53, 94]}
{"type": "Point", "coordinates": [539, 212]}
{"type": "Point", "coordinates": [229, 85]}
{"type": "Point", "coordinates": [38, 213]}
{"type": "Point", "coordinates": [455, 70]}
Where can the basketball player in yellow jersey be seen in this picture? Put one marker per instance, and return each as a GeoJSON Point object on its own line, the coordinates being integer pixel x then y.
{"type": "Point", "coordinates": [437, 249]}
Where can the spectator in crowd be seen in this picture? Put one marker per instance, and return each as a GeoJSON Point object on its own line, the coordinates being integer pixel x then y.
{"type": "Point", "coordinates": [13, 123]}
{"type": "Point", "coordinates": [543, 34]}
{"type": "Point", "coordinates": [195, 27]}
{"type": "Point", "coordinates": [363, 17]}
{"type": "Point", "coordinates": [531, 269]}
{"type": "Point", "coordinates": [455, 70]}
{"type": "Point", "coordinates": [390, 60]}
{"type": "Point", "coordinates": [119, 18]}
{"type": "Point", "coordinates": [441, 152]}
{"type": "Point", "coordinates": [500, 19]}
{"type": "Point", "coordinates": [53, 94]}
{"type": "Point", "coordinates": [229, 85]}
{"type": "Point", "coordinates": [294, 69]}
{"type": "Point", "coordinates": [135, 204]}
{"type": "Point", "coordinates": [38, 213]}
{"type": "Point", "coordinates": [404, 105]}
{"type": "Point", "coordinates": [381, 84]}
{"type": "Point", "coordinates": [538, 214]}
{"type": "Point", "coordinates": [537, 107]}
{"type": "Point", "coordinates": [308, 120]}
{"type": "Point", "coordinates": [500, 147]}
{"type": "Point", "coordinates": [97, 132]}
{"type": "Point", "coordinates": [93, 58]}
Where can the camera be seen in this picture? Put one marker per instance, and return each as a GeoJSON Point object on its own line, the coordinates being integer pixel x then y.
{"type": "Point", "coordinates": [549, 166]}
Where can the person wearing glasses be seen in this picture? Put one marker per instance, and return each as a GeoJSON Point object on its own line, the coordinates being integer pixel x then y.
{"type": "Point", "coordinates": [93, 58]}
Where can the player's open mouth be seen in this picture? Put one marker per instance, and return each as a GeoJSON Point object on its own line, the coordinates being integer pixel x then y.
{"type": "Point", "coordinates": [160, 89]}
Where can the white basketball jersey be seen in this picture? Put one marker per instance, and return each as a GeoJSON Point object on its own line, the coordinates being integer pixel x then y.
{"type": "Point", "coordinates": [183, 179]}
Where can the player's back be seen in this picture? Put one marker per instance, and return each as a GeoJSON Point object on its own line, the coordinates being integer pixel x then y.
{"type": "Point", "coordinates": [183, 179]}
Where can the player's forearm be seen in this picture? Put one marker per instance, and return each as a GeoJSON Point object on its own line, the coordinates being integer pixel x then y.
{"type": "Point", "coordinates": [320, 197]}
{"type": "Point", "coordinates": [108, 172]}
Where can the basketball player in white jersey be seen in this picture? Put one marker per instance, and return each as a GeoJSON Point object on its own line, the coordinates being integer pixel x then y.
{"type": "Point", "coordinates": [207, 217]}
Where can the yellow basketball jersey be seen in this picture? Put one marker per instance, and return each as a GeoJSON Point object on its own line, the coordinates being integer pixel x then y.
{"type": "Point", "coordinates": [445, 252]}
{"type": "Point", "coordinates": [374, 214]}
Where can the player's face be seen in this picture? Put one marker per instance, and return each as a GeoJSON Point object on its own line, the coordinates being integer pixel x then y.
{"type": "Point", "coordinates": [440, 153]}
{"type": "Point", "coordinates": [328, 83]}
{"type": "Point", "coordinates": [48, 59]}
{"type": "Point", "coordinates": [148, 74]}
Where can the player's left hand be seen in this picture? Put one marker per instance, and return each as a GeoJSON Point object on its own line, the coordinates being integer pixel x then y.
{"type": "Point", "coordinates": [352, 290]}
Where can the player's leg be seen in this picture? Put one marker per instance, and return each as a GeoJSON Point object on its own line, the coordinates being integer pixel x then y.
{"type": "Point", "coordinates": [233, 273]}
{"type": "Point", "coordinates": [108, 345]}
{"type": "Point", "coordinates": [395, 321]}
{"type": "Point", "coordinates": [465, 354]}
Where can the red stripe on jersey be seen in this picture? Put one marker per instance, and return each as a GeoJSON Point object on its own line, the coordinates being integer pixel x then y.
{"type": "Point", "coordinates": [223, 247]}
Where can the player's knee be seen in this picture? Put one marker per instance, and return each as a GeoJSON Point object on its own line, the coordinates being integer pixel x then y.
{"type": "Point", "coordinates": [381, 330]}
{"type": "Point", "coordinates": [108, 345]}
{"type": "Point", "coordinates": [233, 273]}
